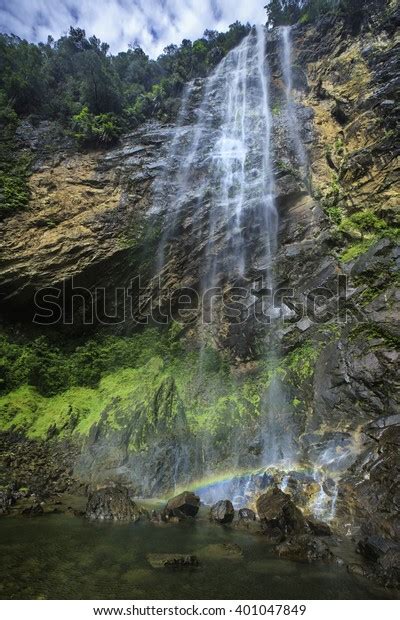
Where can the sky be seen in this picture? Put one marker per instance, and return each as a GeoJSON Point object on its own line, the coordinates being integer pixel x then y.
{"type": "Point", "coordinates": [152, 24]}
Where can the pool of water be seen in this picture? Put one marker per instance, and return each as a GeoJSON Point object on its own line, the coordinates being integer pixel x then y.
{"type": "Point", "coordinates": [63, 557]}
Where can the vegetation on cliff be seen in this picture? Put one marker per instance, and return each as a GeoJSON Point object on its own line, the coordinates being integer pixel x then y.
{"type": "Point", "coordinates": [288, 12]}
{"type": "Point", "coordinates": [77, 81]}
{"type": "Point", "coordinates": [93, 94]}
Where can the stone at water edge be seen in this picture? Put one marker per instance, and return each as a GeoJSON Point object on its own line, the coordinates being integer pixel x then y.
{"type": "Point", "coordinates": [279, 516]}
{"type": "Point", "coordinates": [318, 528]}
{"type": "Point", "coordinates": [184, 505]}
{"type": "Point", "coordinates": [172, 560]}
{"type": "Point", "coordinates": [304, 548]}
{"type": "Point", "coordinates": [374, 547]}
{"type": "Point", "coordinates": [112, 504]}
{"type": "Point", "coordinates": [222, 512]}
{"type": "Point", "coordinates": [246, 514]}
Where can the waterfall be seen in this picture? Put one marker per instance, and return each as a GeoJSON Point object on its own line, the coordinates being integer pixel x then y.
{"type": "Point", "coordinates": [218, 191]}
{"type": "Point", "coordinates": [292, 120]}
{"type": "Point", "coordinates": [219, 173]}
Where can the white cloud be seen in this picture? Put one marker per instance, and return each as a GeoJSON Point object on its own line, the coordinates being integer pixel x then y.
{"type": "Point", "coordinates": [120, 22]}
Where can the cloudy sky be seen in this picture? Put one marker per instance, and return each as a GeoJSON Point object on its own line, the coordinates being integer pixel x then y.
{"type": "Point", "coordinates": [152, 23]}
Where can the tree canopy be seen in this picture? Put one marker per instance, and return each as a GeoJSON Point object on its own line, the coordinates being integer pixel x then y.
{"type": "Point", "coordinates": [76, 81]}
{"type": "Point", "coordinates": [288, 12]}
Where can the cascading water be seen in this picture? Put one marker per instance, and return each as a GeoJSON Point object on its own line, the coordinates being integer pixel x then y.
{"type": "Point", "coordinates": [223, 170]}
{"type": "Point", "coordinates": [218, 187]}
{"type": "Point", "coordinates": [292, 120]}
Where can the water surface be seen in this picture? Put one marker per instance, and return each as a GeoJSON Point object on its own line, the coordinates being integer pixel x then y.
{"type": "Point", "coordinates": [63, 557]}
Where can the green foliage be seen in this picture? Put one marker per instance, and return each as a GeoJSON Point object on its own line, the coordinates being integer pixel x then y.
{"type": "Point", "coordinates": [14, 166]}
{"type": "Point", "coordinates": [300, 363]}
{"type": "Point", "coordinates": [121, 379]}
{"type": "Point", "coordinates": [51, 370]}
{"type": "Point", "coordinates": [367, 227]}
{"type": "Point", "coordinates": [363, 221]}
{"type": "Point", "coordinates": [99, 129]}
{"type": "Point", "coordinates": [76, 81]}
{"type": "Point", "coordinates": [287, 12]}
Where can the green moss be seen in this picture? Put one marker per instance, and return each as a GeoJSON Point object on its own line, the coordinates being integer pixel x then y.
{"type": "Point", "coordinates": [77, 409]}
{"type": "Point", "coordinates": [372, 331]}
{"type": "Point", "coordinates": [356, 249]}
{"type": "Point", "coordinates": [300, 363]}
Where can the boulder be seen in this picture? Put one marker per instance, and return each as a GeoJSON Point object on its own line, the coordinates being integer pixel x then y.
{"type": "Point", "coordinates": [246, 514]}
{"type": "Point", "coordinates": [389, 568]}
{"type": "Point", "coordinates": [279, 516]}
{"type": "Point", "coordinates": [304, 548]}
{"type": "Point", "coordinates": [222, 512]}
{"type": "Point", "coordinates": [374, 547]}
{"type": "Point", "coordinates": [383, 558]}
{"type": "Point", "coordinates": [318, 528]}
{"type": "Point", "coordinates": [112, 504]}
{"type": "Point", "coordinates": [184, 505]}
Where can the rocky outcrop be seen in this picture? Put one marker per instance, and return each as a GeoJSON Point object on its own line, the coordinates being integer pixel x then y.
{"type": "Point", "coordinates": [111, 504]}
{"type": "Point", "coordinates": [222, 512]}
{"type": "Point", "coordinates": [279, 516]}
{"type": "Point", "coordinates": [87, 217]}
{"type": "Point", "coordinates": [99, 218]}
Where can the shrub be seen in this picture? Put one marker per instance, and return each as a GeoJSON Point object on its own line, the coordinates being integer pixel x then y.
{"type": "Point", "coordinates": [100, 129]}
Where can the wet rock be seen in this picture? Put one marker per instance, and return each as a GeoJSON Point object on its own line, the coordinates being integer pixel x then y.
{"type": "Point", "coordinates": [186, 504]}
{"type": "Point", "coordinates": [279, 516]}
{"type": "Point", "coordinates": [383, 557]}
{"type": "Point", "coordinates": [246, 514]}
{"type": "Point", "coordinates": [304, 548]}
{"type": "Point", "coordinates": [112, 504]}
{"type": "Point", "coordinates": [389, 568]}
{"type": "Point", "coordinates": [222, 512]}
{"type": "Point", "coordinates": [374, 547]}
{"type": "Point", "coordinates": [318, 528]}
{"type": "Point", "coordinates": [173, 560]}
{"type": "Point", "coordinates": [359, 570]}
{"type": "Point", "coordinates": [35, 510]}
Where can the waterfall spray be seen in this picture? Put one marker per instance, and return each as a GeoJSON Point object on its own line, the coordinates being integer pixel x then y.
{"type": "Point", "coordinates": [293, 123]}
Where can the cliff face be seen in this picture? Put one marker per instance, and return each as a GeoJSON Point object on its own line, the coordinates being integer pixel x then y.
{"type": "Point", "coordinates": [93, 217]}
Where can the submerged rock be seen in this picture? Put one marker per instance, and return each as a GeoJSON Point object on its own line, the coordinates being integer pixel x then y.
{"type": "Point", "coordinates": [184, 505]}
{"type": "Point", "coordinates": [279, 516]}
{"type": "Point", "coordinates": [221, 551]}
{"type": "Point", "coordinates": [304, 548]}
{"type": "Point", "coordinates": [172, 560]}
{"type": "Point", "coordinates": [112, 504]}
{"type": "Point", "coordinates": [222, 512]}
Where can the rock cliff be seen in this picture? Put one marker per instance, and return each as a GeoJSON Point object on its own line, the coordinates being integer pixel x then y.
{"type": "Point", "coordinates": [98, 218]}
